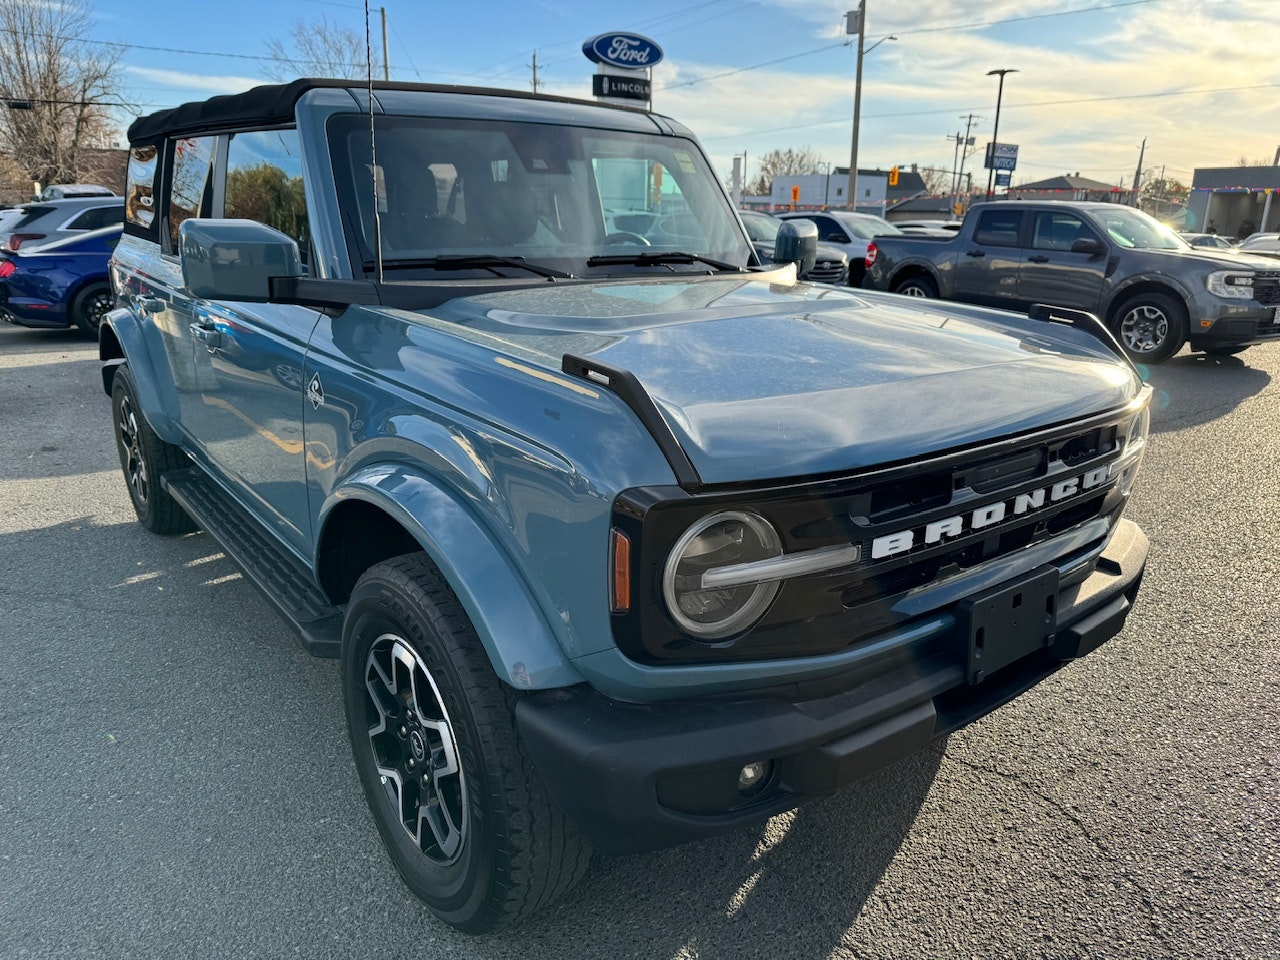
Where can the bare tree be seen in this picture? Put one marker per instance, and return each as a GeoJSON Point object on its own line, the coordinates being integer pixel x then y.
{"type": "Point", "coordinates": [321, 48]}
{"type": "Point", "coordinates": [937, 181]}
{"type": "Point", "coordinates": [59, 90]}
{"type": "Point", "coordinates": [781, 163]}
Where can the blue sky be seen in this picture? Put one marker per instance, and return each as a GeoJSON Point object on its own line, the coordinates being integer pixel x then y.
{"type": "Point", "coordinates": [1197, 78]}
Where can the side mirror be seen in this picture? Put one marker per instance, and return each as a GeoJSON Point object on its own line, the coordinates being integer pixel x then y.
{"type": "Point", "coordinates": [797, 242]}
{"type": "Point", "coordinates": [234, 259]}
{"type": "Point", "coordinates": [1086, 245]}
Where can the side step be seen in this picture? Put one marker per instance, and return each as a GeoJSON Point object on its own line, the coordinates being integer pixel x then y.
{"type": "Point", "coordinates": [283, 580]}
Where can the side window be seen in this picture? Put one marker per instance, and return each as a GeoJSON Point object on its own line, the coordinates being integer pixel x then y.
{"type": "Point", "coordinates": [264, 183]}
{"type": "Point", "coordinates": [830, 231]}
{"type": "Point", "coordinates": [998, 228]}
{"type": "Point", "coordinates": [190, 183]}
{"type": "Point", "coordinates": [139, 191]}
{"type": "Point", "coordinates": [96, 218]}
{"type": "Point", "coordinates": [1057, 230]}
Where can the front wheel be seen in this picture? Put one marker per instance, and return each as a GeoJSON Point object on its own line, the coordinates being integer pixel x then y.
{"type": "Point", "coordinates": [916, 287]}
{"type": "Point", "coordinates": [1151, 327]}
{"type": "Point", "coordinates": [143, 458]}
{"type": "Point", "coordinates": [461, 810]}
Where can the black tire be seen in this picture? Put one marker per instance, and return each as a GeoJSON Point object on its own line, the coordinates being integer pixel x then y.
{"type": "Point", "coordinates": [1225, 351]}
{"type": "Point", "coordinates": [1151, 327]}
{"type": "Point", "coordinates": [492, 847]}
{"type": "Point", "coordinates": [143, 458]}
{"type": "Point", "coordinates": [917, 286]}
{"type": "Point", "coordinates": [89, 307]}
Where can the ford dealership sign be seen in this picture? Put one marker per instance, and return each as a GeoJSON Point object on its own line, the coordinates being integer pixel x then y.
{"type": "Point", "coordinates": [627, 50]}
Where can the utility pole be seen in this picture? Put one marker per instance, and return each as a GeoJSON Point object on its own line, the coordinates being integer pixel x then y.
{"type": "Point", "coordinates": [995, 132]}
{"type": "Point", "coordinates": [861, 28]}
{"type": "Point", "coordinates": [1137, 176]}
{"type": "Point", "coordinates": [968, 142]}
{"type": "Point", "coordinates": [954, 159]}
{"type": "Point", "coordinates": [535, 70]}
{"type": "Point", "coordinates": [386, 61]}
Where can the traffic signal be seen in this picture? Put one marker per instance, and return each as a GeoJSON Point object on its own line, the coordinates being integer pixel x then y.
{"type": "Point", "coordinates": [893, 176]}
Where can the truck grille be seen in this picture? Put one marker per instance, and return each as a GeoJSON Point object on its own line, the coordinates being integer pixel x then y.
{"type": "Point", "coordinates": [826, 271]}
{"type": "Point", "coordinates": [1266, 288]}
{"type": "Point", "coordinates": [918, 526]}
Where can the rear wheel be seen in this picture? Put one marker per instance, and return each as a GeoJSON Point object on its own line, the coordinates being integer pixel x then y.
{"type": "Point", "coordinates": [90, 306]}
{"type": "Point", "coordinates": [1151, 327]}
{"type": "Point", "coordinates": [460, 808]}
{"type": "Point", "coordinates": [143, 458]}
{"type": "Point", "coordinates": [916, 287]}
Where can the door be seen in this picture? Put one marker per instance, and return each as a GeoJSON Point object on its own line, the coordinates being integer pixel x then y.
{"type": "Point", "coordinates": [1051, 273]}
{"type": "Point", "coordinates": [988, 264]}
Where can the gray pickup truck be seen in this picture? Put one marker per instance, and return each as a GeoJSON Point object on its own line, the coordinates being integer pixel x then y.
{"type": "Point", "coordinates": [621, 538]}
{"type": "Point", "coordinates": [1152, 289]}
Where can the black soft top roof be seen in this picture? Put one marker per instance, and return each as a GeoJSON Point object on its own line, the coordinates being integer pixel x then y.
{"type": "Point", "coordinates": [273, 104]}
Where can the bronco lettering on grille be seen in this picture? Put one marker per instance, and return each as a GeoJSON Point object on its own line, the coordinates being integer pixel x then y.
{"type": "Point", "coordinates": [987, 515]}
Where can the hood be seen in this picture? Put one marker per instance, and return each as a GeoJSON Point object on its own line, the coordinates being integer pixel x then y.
{"type": "Point", "coordinates": [762, 380]}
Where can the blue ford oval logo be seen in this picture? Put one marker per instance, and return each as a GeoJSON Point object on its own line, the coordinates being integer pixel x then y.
{"type": "Point", "coordinates": [628, 50]}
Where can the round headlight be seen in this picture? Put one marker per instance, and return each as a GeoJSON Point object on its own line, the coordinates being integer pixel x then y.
{"type": "Point", "coordinates": [722, 540]}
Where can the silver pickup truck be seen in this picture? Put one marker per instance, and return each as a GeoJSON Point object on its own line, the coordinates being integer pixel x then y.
{"type": "Point", "coordinates": [1153, 290]}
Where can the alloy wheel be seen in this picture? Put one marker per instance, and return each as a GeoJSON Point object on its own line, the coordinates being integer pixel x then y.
{"type": "Point", "coordinates": [1144, 328]}
{"type": "Point", "coordinates": [415, 750]}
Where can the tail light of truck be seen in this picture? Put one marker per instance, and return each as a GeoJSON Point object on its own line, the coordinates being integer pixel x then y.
{"type": "Point", "coordinates": [7, 268]}
{"type": "Point", "coordinates": [872, 253]}
{"type": "Point", "coordinates": [18, 239]}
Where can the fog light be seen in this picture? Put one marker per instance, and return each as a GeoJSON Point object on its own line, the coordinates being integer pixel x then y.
{"type": "Point", "coordinates": [753, 775]}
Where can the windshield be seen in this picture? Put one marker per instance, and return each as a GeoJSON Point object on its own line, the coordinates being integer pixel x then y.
{"type": "Point", "coordinates": [1137, 230]}
{"type": "Point", "coordinates": [761, 228]}
{"type": "Point", "coordinates": [454, 195]}
{"type": "Point", "coordinates": [866, 227]}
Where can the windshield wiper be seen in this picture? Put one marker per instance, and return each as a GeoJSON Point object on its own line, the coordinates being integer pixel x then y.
{"type": "Point", "coordinates": [469, 261]}
{"type": "Point", "coordinates": [659, 258]}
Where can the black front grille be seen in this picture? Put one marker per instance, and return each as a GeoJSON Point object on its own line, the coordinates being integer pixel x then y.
{"type": "Point", "coordinates": [1266, 288]}
{"type": "Point", "coordinates": [894, 516]}
{"type": "Point", "coordinates": [826, 271]}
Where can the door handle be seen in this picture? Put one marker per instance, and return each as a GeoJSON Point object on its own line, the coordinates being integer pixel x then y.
{"type": "Point", "coordinates": [976, 253]}
{"type": "Point", "coordinates": [1038, 258]}
{"type": "Point", "coordinates": [209, 335]}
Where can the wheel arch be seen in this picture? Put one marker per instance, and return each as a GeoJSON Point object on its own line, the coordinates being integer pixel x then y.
{"type": "Point", "coordinates": [1142, 286]}
{"type": "Point", "coordinates": [121, 340]}
{"type": "Point", "coordinates": [387, 511]}
{"type": "Point", "coordinates": [909, 271]}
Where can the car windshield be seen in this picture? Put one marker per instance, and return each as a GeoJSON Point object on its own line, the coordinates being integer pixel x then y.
{"type": "Point", "coordinates": [1137, 230]}
{"type": "Point", "coordinates": [866, 227]}
{"type": "Point", "coordinates": [453, 195]}
{"type": "Point", "coordinates": [761, 229]}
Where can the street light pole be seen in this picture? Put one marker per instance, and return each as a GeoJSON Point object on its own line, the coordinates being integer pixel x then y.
{"type": "Point", "coordinates": [995, 133]}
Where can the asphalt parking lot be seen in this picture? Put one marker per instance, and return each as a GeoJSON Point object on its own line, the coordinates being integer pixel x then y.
{"type": "Point", "coordinates": [175, 779]}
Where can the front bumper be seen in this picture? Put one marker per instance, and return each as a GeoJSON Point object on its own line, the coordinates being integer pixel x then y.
{"type": "Point", "coordinates": [635, 777]}
{"type": "Point", "coordinates": [1223, 324]}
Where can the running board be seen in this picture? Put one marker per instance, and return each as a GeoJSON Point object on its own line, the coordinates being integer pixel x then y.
{"type": "Point", "coordinates": [280, 577]}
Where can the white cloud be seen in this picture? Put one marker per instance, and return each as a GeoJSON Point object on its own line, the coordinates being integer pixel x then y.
{"type": "Point", "coordinates": [199, 82]}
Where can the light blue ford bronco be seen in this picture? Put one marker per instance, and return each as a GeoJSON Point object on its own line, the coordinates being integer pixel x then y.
{"type": "Point", "coordinates": [622, 538]}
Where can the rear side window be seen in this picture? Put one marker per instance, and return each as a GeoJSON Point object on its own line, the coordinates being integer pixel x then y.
{"type": "Point", "coordinates": [95, 218]}
{"type": "Point", "coordinates": [998, 228]}
{"type": "Point", "coordinates": [264, 183]}
{"type": "Point", "coordinates": [190, 183]}
{"type": "Point", "coordinates": [139, 191]}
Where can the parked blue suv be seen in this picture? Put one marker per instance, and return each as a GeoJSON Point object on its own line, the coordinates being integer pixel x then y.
{"type": "Point", "coordinates": [61, 283]}
{"type": "Point", "coordinates": [622, 537]}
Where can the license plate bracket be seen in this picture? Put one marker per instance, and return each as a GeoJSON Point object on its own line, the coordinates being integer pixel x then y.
{"type": "Point", "coordinates": [1007, 622]}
